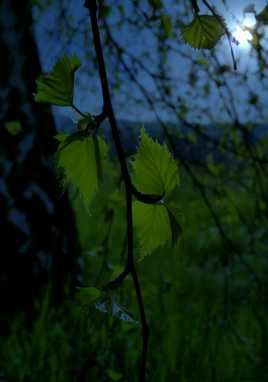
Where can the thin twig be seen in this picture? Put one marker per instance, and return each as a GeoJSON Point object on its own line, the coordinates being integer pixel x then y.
{"type": "Point", "coordinates": [226, 30]}
{"type": "Point", "coordinates": [195, 6]}
{"type": "Point", "coordinates": [108, 111]}
{"type": "Point", "coordinates": [78, 111]}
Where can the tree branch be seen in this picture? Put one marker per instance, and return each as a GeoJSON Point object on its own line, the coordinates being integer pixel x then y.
{"type": "Point", "coordinates": [226, 30]}
{"type": "Point", "coordinates": [78, 111]}
{"type": "Point", "coordinates": [129, 188]}
{"type": "Point", "coordinates": [195, 6]}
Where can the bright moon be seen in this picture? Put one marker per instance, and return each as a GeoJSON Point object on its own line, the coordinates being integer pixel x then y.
{"type": "Point", "coordinates": [242, 36]}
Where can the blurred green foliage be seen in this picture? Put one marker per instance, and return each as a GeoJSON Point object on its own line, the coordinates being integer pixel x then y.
{"type": "Point", "coordinates": [207, 322]}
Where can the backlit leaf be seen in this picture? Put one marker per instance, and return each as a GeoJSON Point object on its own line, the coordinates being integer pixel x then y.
{"type": "Point", "coordinates": [88, 295]}
{"type": "Point", "coordinates": [154, 169]}
{"type": "Point", "coordinates": [154, 172]}
{"type": "Point", "coordinates": [155, 225]}
{"type": "Point", "coordinates": [82, 157]}
{"type": "Point", "coordinates": [152, 225]}
{"type": "Point", "coordinates": [56, 87]}
{"type": "Point", "coordinates": [203, 32]}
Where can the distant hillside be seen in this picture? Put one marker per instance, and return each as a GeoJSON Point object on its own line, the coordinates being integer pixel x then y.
{"type": "Point", "coordinates": [193, 143]}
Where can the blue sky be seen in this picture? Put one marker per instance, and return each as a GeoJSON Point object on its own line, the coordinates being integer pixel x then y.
{"type": "Point", "coordinates": [53, 41]}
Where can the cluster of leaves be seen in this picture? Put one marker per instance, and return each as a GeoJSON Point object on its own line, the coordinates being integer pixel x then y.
{"type": "Point", "coordinates": [205, 31]}
{"type": "Point", "coordinates": [82, 159]}
{"type": "Point", "coordinates": [83, 163]}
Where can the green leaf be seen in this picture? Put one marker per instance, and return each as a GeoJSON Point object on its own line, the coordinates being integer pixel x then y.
{"type": "Point", "coordinates": [166, 25]}
{"type": "Point", "coordinates": [117, 269]}
{"type": "Point", "coordinates": [87, 123]}
{"type": "Point", "coordinates": [13, 127]}
{"type": "Point", "coordinates": [204, 32]}
{"type": "Point", "coordinates": [113, 375]}
{"type": "Point", "coordinates": [57, 86]}
{"type": "Point", "coordinates": [60, 137]}
{"type": "Point", "coordinates": [151, 222]}
{"type": "Point", "coordinates": [202, 61]}
{"type": "Point", "coordinates": [154, 169]}
{"type": "Point", "coordinates": [82, 157]}
{"type": "Point", "coordinates": [263, 16]}
{"type": "Point", "coordinates": [154, 172]}
{"type": "Point", "coordinates": [88, 295]}
{"type": "Point", "coordinates": [156, 225]}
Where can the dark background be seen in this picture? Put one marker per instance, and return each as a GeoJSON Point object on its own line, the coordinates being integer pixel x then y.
{"type": "Point", "coordinates": [218, 120]}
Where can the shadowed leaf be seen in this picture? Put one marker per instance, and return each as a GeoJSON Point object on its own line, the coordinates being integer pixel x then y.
{"type": "Point", "coordinates": [13, 127]}
{"type": "Point", "coordinates": [81, 162]}
{"type": "Point", "coordinates": [88, 295]}
{"type": "Point", "coordinates": [56, 87]}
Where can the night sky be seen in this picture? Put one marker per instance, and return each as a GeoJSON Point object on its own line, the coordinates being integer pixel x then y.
{"type": "Point", "coordinates": [54, 41]}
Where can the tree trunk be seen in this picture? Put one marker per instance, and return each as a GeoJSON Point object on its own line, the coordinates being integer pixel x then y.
{"type": "Point", "coordinates": [38, 240]}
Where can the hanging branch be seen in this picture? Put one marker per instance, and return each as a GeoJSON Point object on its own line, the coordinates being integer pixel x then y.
{"type": "Point", "coordinates": [226, 30]}
{"type": "Point", "coordinates": [130, 190]}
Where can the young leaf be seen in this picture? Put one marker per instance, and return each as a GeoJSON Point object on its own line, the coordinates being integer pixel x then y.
{"type": "Point", "coordinates": [81, 162]}
{"type": "Point", "coordinates": [88, 295]}
{"type": "Point", "coordinates": [13, 127]}
{"type": "Point", "coordinates": [87, 123]}
{"type": "Point", "coordinates": [154, 169]}
{"type": "Point", "coordinates": [156, 225]}
{"type": "Point", "coordinates": [166, 23]}
{"type": "Point", "coordinates": [203, 32]}
{"type": "Point", "coordinates": [155, 172]}
{"type": "Point", "coordinates": [152, 225]}
{"type": "Point", "coordinates": [114, 375]}
{"type": "Point", "coordinates": [56, 87]}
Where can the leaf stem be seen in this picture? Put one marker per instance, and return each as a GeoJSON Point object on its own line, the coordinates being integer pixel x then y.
{"type": "Point", "coordinates": [100, 117]}
{"type": "Point", "coordinates": [78, 111]}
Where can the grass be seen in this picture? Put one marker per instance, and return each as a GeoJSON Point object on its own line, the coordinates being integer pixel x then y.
{"type": "Point", "coordinates": [207, 322]}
